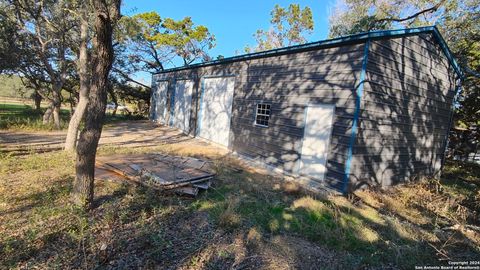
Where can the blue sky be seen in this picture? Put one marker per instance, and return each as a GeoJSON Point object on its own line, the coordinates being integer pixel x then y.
{"type": "Point", "coordinates": [232, 22]}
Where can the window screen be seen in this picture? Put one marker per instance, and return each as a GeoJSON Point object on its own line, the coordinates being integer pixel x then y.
{"type": "Point", "coordinates": [263, 114]}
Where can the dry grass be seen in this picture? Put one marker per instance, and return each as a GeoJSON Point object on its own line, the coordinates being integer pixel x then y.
{"type": "Point", "coordinates": [229, 217]}
{"type": "Point", "coordinates": [247, 220]}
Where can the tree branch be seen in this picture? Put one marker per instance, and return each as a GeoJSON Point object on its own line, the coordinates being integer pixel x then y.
{"type": "Point", "coordinates": [155, 55]}
{"type": "Point", "coordinates": [126, 77]}
{"type": "Point", "coordinates": [428, 10]}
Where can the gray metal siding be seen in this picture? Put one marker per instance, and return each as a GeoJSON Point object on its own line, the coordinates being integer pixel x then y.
{"type": "Point", "coordinates": [403, 117]}
{"type": "Point", "coordinates": [289, 83]}
{"type": "Point", "coordinates": [405, 112]}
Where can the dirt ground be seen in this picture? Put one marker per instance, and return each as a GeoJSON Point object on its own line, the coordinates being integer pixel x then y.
{"type": "Point", "coordinates": [247, 220]}
{"type": "Point", "coordinates": [131, 134]}
{"type": "Point", "coordinates": [189, 240]}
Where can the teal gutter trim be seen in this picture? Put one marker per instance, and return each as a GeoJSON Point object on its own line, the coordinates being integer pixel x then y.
{"type": "Point", "coordinates": [447, 52]}
{"type": "Point", "coordinates": [356, 115]}
{"type": "Point", "coordinates": [357, 38]}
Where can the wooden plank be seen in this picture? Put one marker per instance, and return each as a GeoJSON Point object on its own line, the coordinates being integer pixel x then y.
{"type": "Point", "coordinates": [187, 190]}
{"type": "Point", "coordinates": [107, 175]}
{"type": "Point", "coordinates": [203, 185]}
{"type": "Point", "coordinates": [158, 171]}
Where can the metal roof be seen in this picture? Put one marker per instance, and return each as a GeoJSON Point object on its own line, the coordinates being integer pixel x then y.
{"type": "Point", "coordinates": [332, 43]}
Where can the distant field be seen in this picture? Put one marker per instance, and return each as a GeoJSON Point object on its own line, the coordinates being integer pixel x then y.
{"type": "Point", "coordinates": [5, 101]}
{"type": "Point", "coordinates": [17, 114]}
{"type": "Point", "coordinates": [11, 86]}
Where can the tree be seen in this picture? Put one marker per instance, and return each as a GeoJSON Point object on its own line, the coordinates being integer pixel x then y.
{"type": "Point", "coordinates": [107, 13]}
{"type": "Point", "coordinates": [355, 16]}
{"type": "Point", "coordinates": [459, 23]}
{"type": "Point", "coordinates": [150, 42]}
{"type": "Point", "coordinates": [43, 31]}
{"type": "Point", "coordinates": [83, 69]}
{"type": "Point", "coordinates": [289, 27]}
{"type": "Point", "coordinates": [462, 30]}
{"type": "Point", "coordinates": [131, 93]}
{"type": "Point", "coordinates": [9, 53]}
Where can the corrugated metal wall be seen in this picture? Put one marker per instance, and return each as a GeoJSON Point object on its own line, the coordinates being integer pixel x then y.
{"type": "Point", "coordinates": [405, 111]}
{"type": "Point", "coordinates": [289, 82]}
{"type": "Point", "coordinates": [403, 118]}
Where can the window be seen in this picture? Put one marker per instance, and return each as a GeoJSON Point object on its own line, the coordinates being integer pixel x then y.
{"type": "Point", "coordinates": [262, 114]}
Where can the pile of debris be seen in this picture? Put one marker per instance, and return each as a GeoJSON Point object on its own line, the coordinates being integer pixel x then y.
{"type": "Point", "coordinates": [183, 175]}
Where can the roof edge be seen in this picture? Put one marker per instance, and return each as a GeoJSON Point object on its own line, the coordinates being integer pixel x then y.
{"type": "Point", "coordinates": [447, 52]}
{"type": "Point", "coordinates": [332, 42]}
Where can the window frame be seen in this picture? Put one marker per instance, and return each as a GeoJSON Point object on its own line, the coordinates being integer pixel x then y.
{"type": "Point", "coordinates": [269, 115]}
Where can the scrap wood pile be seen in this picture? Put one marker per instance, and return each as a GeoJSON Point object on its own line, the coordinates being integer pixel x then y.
{"type": "Point", "coordinates": [183, 175]}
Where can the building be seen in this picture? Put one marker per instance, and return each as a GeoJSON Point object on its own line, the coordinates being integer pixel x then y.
{"type": "Point", "coordinates": [368, 109]}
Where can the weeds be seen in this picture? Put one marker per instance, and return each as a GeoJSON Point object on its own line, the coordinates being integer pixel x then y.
{"type": "Point", "coordinates": [229, 217]}
{"type": "Point", "coordinates": [248, 218]}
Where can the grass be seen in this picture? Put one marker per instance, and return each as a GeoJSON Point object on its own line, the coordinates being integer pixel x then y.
{"type": "Point", "coordinates": [248, 219]}
{"type": "Point", "coordinates": [11, 86]}
{"type": "Point", "coordinates": [25, 118]}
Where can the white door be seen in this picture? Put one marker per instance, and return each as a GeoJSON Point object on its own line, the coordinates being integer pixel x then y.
{"type": "Point", "coordinates": [316, 140]}
{"type": "Point", "coordinates": [159, 110]}
{"type": "Point", "coordinates": [216, 109]}
{"type": "Point", "coordinates": [183, 102]}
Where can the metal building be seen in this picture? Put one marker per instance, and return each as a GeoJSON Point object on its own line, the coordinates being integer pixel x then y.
{"type": "Point", "coordinates": [367, 109]}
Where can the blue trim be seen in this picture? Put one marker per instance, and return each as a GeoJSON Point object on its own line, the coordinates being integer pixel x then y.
{"type": "Point", "coordinates": [355, 118]}
{"type": "Point", "coordinates": [448, 53]}
{"type": "Point", "coordinates": [172, 102]}
{"type": "Point", "coordinates": [199, 115]}
{"type": "Point", "coordinates": [357, 38]}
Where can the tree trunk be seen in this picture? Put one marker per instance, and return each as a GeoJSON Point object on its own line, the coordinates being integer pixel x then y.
{"type": "Point", "coordinates": [73, 125]}
{"type": "Point", "coordinates": [56, 103]}
{"type": "Point", "coordinates": [71, 101]}
{"type": "Point", "coordinates": [56, 116]}
{"type": "Point", "coordinates": [38, 100]}
{"type": "Point", "coordinates": [82, 66]}
{"type": "Point", "coordinates": [83, 187]}
{"type": "Point", "coordinates": [47, 116]}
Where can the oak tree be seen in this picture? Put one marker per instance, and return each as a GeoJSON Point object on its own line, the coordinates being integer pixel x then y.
{"type": "Point", "coordinates": [107, 13]}
{"type": "Point", "coordinates": [289, 26]}
{"type": "Point", "coordinates": [43, 34]}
